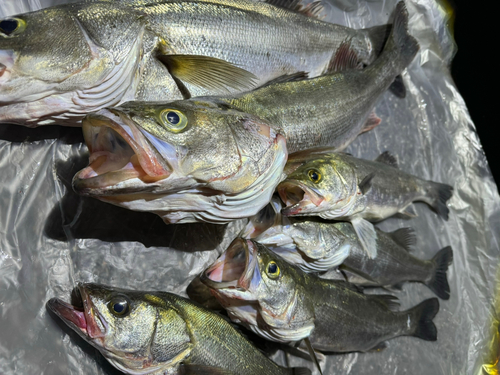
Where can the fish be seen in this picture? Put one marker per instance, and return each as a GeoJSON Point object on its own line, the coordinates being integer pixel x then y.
{"type": "Point", "coordinates": [318, 246]}
{"type": "Point", "coordinates": [167, 179]}
{"type": "Point", "coordinates": [160, 333]}
{"type": "Point", "coordinates": [280, 302]}
{"type": "Point", "coordinates": [103, 53]}
{"type": "Point", "coordinates": [339, 186]}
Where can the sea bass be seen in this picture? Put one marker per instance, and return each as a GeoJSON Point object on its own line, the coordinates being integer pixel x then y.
{"type": "Point", "coordinates": [339, 186]}
{"type": "Point", "coordinates": [194, 138]}
{"type": "Point", "coordinates": [319, 246]}
{"type": "Point", "coordinates": [282, 303]}
{"type": "Point", "coordinates": [161, 333]}
{"type": "Point", "coordinates": [59, 63]}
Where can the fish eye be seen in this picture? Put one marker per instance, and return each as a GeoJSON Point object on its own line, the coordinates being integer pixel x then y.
{"type": "Point", "coordinates": [12, 26]}
{"type": "Point", "coordinates": [314, 175]}
{"type": "Point", "coordinates": [119, 306]}
{"type": "Point", "coordinates": [175, 121]}
{"type": "Point", "coordinates": [272, 270]}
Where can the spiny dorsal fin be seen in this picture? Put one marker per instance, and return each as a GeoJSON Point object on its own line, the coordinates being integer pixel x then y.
{"type": "Point", "coordinates": [344, 59]}
{"type": "Point", "coordinates": [208, 72]}
{"type": "Point", "coordinates": [366, 184]}
{"type": "Point", "coordinates": [371, 122]}
{"type": "Point", "coordinates": [387, 158]}
{"type": "Point", "coordinates": [299, 76]}
{"type": "Point", "coordinates": [405, 237]}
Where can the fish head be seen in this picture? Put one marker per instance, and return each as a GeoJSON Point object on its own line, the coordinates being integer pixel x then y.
{"type": "Point", "coordinates": [144, 150]}
{"type": "Point", "coordinates": [137, 332]}
{"type": "Point", "coordinates": [320, 183]}
{"type": "Point", "coordinates": [52, 59]}
{"type": "Point", "coordinates": [248, 275]}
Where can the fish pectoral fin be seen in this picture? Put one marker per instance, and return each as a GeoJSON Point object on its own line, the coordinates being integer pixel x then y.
{"type": "Point", "coordinates": [366, 184]}
{"type": "Point", "coordinates": [366, 235]}
{"type": "Point", "coordinates": [208, 72]}
{"type": "Point", "coordinates": [387, 158]}
{"type": "Point", "coordinates": [344, 59]}
{"type": "Point", "coordinates": [409, 211]}
{"type": "Point", "coordinates": [201, 370]}
{"type": "Point", "coordinates": [371, 122]}
{"type": "Point", "coordinates": [312, 353]}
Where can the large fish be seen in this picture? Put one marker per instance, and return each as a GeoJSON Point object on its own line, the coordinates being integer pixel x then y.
{"type": "Point", "coordinates": [186, 147]}
{"type": "Point", "coordinates": [339, 186]}
{"type": "Point", "coordinates": [282, 303]}
{"type": "Point", "coordinates": [161, 333]}
{"type": "Point", "coordinates": [319, 246]}
{"type": "Point", "coordinates": [59, 63]}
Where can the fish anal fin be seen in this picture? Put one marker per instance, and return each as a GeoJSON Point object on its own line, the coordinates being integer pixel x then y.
{"type": "Point", "coordinates": [387, 158]}
{"type": "Point", "coordinates": [409, 211]}
{"type": "Point", "coordinates": [371, 122]}
{"type": "Point", "coordinates": [366, 184]}
{"type": "Point", "coordinates": [345, 58]}
{"type": "Point", "coordinates": [208, 72]}
{"type": "Point", "coordinates": [404, 237]}
{"type": "Point", "coordinates": [367, 235]}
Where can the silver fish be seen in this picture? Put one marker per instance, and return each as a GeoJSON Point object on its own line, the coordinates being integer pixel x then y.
{"type": "Point", "coordinates": [339, 186]}
{"type": "Point", "coordinates": [282, 303]}
{"type": "Point", "coordinates": [161, 333]}
{"type": "Point", "coordinates": [103, 53]}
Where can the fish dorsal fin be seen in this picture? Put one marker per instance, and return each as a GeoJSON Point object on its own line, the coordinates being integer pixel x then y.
{"type": "Point", "coordinates": [398, 87]}
{"type": "Point", "coordinates": [344, 59]}
{"type": "Point", "coordinates": [387, 158]}
{"type": "Point", "coordinates": [299, 76]}
{"type": "Point", "coordinates": [312, 10]}
{"type": "Point", "coordinates": [366, 184]}
{"type": "Point", "coordinates": [387, 300]}
{"type": "Point", "coordinates": [186, 369]}
{"type": "Point", "coordinates": [371, 122]}
{"type": "Point", "coordinates": [405, 237]}
{"type": "Point", "coordinates": [208, 72]}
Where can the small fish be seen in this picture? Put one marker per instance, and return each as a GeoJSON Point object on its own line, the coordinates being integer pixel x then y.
{"type": "Point", "coordinates": [282, 303]}
{"type": "Point", "coordinates": [319, 246]}
{"type": "Point", "coordinates": [161, 333]}
{"type": "Point", "coordinates": [339, 186]}
{"type": "Point", "coordinates": [103, 53]}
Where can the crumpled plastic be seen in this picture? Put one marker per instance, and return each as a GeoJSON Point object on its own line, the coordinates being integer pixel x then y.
{"type": "Point", "coordinates": [51, 238]}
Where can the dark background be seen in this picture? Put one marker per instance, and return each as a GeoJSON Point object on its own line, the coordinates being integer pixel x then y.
{"type": "Point", "coordinates": [475, 70]}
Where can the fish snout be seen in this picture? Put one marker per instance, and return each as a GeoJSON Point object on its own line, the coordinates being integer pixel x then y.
{"type": "Point", "coordinates": [6, 65]}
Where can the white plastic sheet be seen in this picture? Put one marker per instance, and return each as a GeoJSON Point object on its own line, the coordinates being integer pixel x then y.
{"type": "Point", "coordinates": [50, 238]}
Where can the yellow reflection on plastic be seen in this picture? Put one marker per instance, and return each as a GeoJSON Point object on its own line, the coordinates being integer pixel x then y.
{"type": "Point", "coordinates": [449, 15]}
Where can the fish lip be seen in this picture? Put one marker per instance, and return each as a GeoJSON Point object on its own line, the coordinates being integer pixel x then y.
{"type": "Point", "coordinates": [241, 271]}
{"type": "Point", "coordinates": [289, 191]}
{"type": "Point", "coordinates": [145, 163]}
{"type": "Point", "coordinates": [82, 319]}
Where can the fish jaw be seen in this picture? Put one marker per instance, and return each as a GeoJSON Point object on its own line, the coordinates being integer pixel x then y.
{"type": "Point", "coordinates": [82, 318]}
{"type": "Point", "coordinates": [299, 198]}
{"type": "Point", "coordinates": [119, 152]}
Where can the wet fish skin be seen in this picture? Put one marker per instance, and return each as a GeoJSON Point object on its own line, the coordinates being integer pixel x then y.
{"type": "Point", "coordinates": [103, 53]}
{"type": "Point", "coordinates": [295, 305]}
{"type": "Point", "coordinates": [161, 333]}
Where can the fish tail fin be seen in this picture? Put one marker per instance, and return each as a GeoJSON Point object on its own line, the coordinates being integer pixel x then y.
{"type": "Point", "coordinates": [300, 371]}
{"type": "Point", "coordinates": [437, 195]}
{"type": "Point", "coordinates": [439, 282]}
{"type": "Point", "coordinates": [377, 36]}
{"type": "Point", "coordinates": [401, 46]}
{"type": "Point", "coordinates": [421, 317]}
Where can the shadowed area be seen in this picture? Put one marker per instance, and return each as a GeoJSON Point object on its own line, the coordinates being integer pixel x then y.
{"type": "Point", "coordinates": [83, 217]}
{"type": "Point", "coordinates": [18, 133]}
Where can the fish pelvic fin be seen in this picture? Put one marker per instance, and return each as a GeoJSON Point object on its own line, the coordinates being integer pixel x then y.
{"type": "Point", "coordinates": [367, 235]}
{"type": "Point", "coordinates": [421, 317]}
{"type": "Point", "coordinates": [439, 194]}
{"type": "Point", "coordinates": [208, 72]}
{"type": "Point", "coordinates": [439, 282]}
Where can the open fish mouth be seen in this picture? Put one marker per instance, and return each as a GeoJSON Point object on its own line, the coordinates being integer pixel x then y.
{"type": "Point", "coordinates": [298, 198]}
{"type": "Point", "coordinates": [235, 269]}
{"type": "Point", "coordinates": [79, 315]}
{"type": "Point", "coordinates": [118, 152]}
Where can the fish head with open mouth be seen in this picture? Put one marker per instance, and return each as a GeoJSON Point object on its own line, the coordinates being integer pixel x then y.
{"type": "Point", "coordinates": [59, 63]}
{"type": "Point", "coordinates": [174, 155]}
{"type": "Point", "coordinates": [320, 183]}
{"type": "Point", "coordinates": [137, 332]}
{"type": "Point", "coordinates": [261, 290]}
